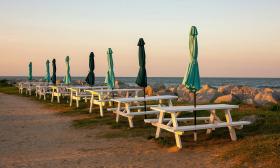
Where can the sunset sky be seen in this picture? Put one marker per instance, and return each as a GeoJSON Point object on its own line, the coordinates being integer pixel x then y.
{"type": "Point", "coordinates": [237, 38]}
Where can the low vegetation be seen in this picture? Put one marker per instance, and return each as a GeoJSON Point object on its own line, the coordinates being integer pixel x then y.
{"type": "Point", "coordinates": [258, 144]}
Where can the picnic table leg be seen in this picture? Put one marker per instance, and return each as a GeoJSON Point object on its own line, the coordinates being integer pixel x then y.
{"type": "Point", "coordinates": [100, 105]}
{"type": "Point", "coordinates": [117, 114]}
{"type": "Point", "coordinates": [77, 102]}
{"type": "Point", "coordinates": [52, 97]}
{"type": "Point", "coordinates": [160, 120]}
{"type": "Point", "coordinates": [58, 98]}
{"type": "Point", "coordinates": [71, 98]}
{"type": "Point", "coordinates": [211, 121]}
{"type": "Point", "coordinates": [101, 109]}
{"type": "Point", "coordinates": [91, 102]}
{"type": "Point", "coordinates": [129, 117]}
{"type": "Point", "coordinates": [170, 102]}
{"type": "Point", "coordinates": [230, 128]}
{"type": "Point", "coordinates": [177, 136]}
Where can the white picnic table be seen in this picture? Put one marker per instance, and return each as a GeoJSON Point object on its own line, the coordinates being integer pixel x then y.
{"type": "Point", "coordinates": [42, 90]}
{"type": "Point", "coordinates": [125, 105]}
{"type": "Point", "coordinates": [28, 86]}
{"type": "Point", "coordinates": [171, 124]}
{"type": "Point", "coordinates": [78, 92]}
{"type": "Point", "coordinates": [101, 96]}
{"type": "Point", "coordinates": [59, 91]}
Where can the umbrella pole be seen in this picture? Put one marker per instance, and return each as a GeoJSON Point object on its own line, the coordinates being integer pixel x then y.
{"type": "Point", "coordinates": [145, 106]}
{"type": "Point", "coordinates": [113, 96]}
{"type": "Point", "coordinates": [194, 102]}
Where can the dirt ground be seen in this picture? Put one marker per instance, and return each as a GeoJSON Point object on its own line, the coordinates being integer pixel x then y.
{"type": "Point", "coordinates": [33, 136]}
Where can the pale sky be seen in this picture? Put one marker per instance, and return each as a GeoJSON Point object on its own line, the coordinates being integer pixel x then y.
{"type": "Point", "coordinates": [237, 38]}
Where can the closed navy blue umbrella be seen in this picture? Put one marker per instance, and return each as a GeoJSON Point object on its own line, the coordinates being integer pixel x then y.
{"type": "Point", "coordinates": [54, 72]}
{"type": "Point", "coordinates": [91, 77]}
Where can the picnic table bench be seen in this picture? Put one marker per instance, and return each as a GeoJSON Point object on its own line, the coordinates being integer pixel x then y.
{"type": "Point", "coordinates": [103, 96]}
{"type": "Point", "coordinates": [171, 124]}
{"type": "Point", "coordinates": [42, 90]}
{"type": "Point", "coordinates": [125, 105]}
{"type": "Point", "coordinates": [27, 86]}
{"type": "Point", "coordinates": [78, 92]}
{"type": "Point", "coordinates": [59, 91]}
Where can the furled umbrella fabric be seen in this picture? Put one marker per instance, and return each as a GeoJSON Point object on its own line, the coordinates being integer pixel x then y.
{"type": "Point", "coordinates": [48, 76]}
{"type": "Point", "coordinates": [54, 72]}
{"type": "Point", "coordinates": [141, 79]}
{"type": "Point", "coordinates": [192, 78]}
{"type": "Point", "coordinates": [91, 77]}
{"type": "Point", "coordinates": [67, 77]}
{"type": "Point", "coordinates": [30, 71]}
{"type": "Point", "coordinates": [110, 76]}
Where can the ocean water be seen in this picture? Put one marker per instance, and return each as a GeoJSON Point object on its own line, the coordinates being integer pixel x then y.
{"type": "Point", "coordinates": [170, 81]}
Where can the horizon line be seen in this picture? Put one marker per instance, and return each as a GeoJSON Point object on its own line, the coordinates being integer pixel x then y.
{"type": "Point", "coordinates": [3, 76]}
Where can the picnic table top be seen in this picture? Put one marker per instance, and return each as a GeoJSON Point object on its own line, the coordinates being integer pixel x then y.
{"type": "Point", "coordinates": [87, 87]}
{"type": "Point", "coordinates": [59, 86]}
{"type": "Point", "coordinates": [197, 108]}
{"type": "Point", "coordinates": [114, 90]}
{"type": "Point", "coordinates": [147, 98]}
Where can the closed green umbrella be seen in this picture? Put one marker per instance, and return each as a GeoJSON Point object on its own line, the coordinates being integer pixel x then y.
{"type": "Point", "coordinates": [141, 79]}
{"type": "Point", "coordinates": [48, 76]}
{"type": "Point", "coordinates": [67, 78]}
{"type": "Point", "coordinates": [91, 77]}
{"type": "Point", "coordinates": [54, 72]}
{"type": "Point", "coordinates": [30, 71]}
{"type": "Point", "coordinates": [110, 77]}
{"type": "Point", "coordinates": [192, 78]}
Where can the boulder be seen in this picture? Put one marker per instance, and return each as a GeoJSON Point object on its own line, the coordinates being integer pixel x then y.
{"type": "Point", "coordinates": [266, 97]}
{"type": "Point", "coordinates": [226, 89]}
{"type": "Point", "coordinates": [244, 92]}
{"type": "Point", "coordinates": [158, 86]}
{"type": "Point", "coordinates": [248, 101]}
{"type": "Point", "coordinates": [206, 94]}
{"type": "Point", "coordinates": [149, 90]}
{"type": "Point", "coordinates": [164, 92]}
{"type": "Point", "coordinates": [230, 98]}
{"type": "Point", "coordinates": [183, 93]}
{"type": "Point", "coordinates": [173, 89]}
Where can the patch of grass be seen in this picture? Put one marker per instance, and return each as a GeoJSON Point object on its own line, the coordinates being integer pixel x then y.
{"type": "Point", "coordinates": [8, 89]}
{"type": "Point", "coordinates": [255, 151]}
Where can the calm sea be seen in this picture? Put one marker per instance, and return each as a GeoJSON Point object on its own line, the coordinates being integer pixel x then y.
{"type": "Point", "coordinates": [169, 81]}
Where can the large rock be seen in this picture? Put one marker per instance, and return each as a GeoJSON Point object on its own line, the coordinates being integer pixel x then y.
{"type": "Point", "coordinates": [173, 89]}
{"type": "Point", "coordinates": [248, 101]}
{"type": "Point", "coordinates": [183, 93]}
{"type": "Point", "coordinates": [226, 89]}
{"type": "Point", "coordinates": [207, 94]}
{"type": "Point", "coordinates": [244, 92]}
{"type": "Point", "coordinates": [158, 86]}
{"type": "Point", "coordinates": [266, 97]}
{"type": "Point", "coordinates": [230, 98]}
{"type": "Point", "coordinates": [165, 92]}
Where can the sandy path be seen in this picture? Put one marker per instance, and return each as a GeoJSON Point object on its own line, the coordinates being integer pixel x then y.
{"type": "Point", "coordinates": [33, 136]}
